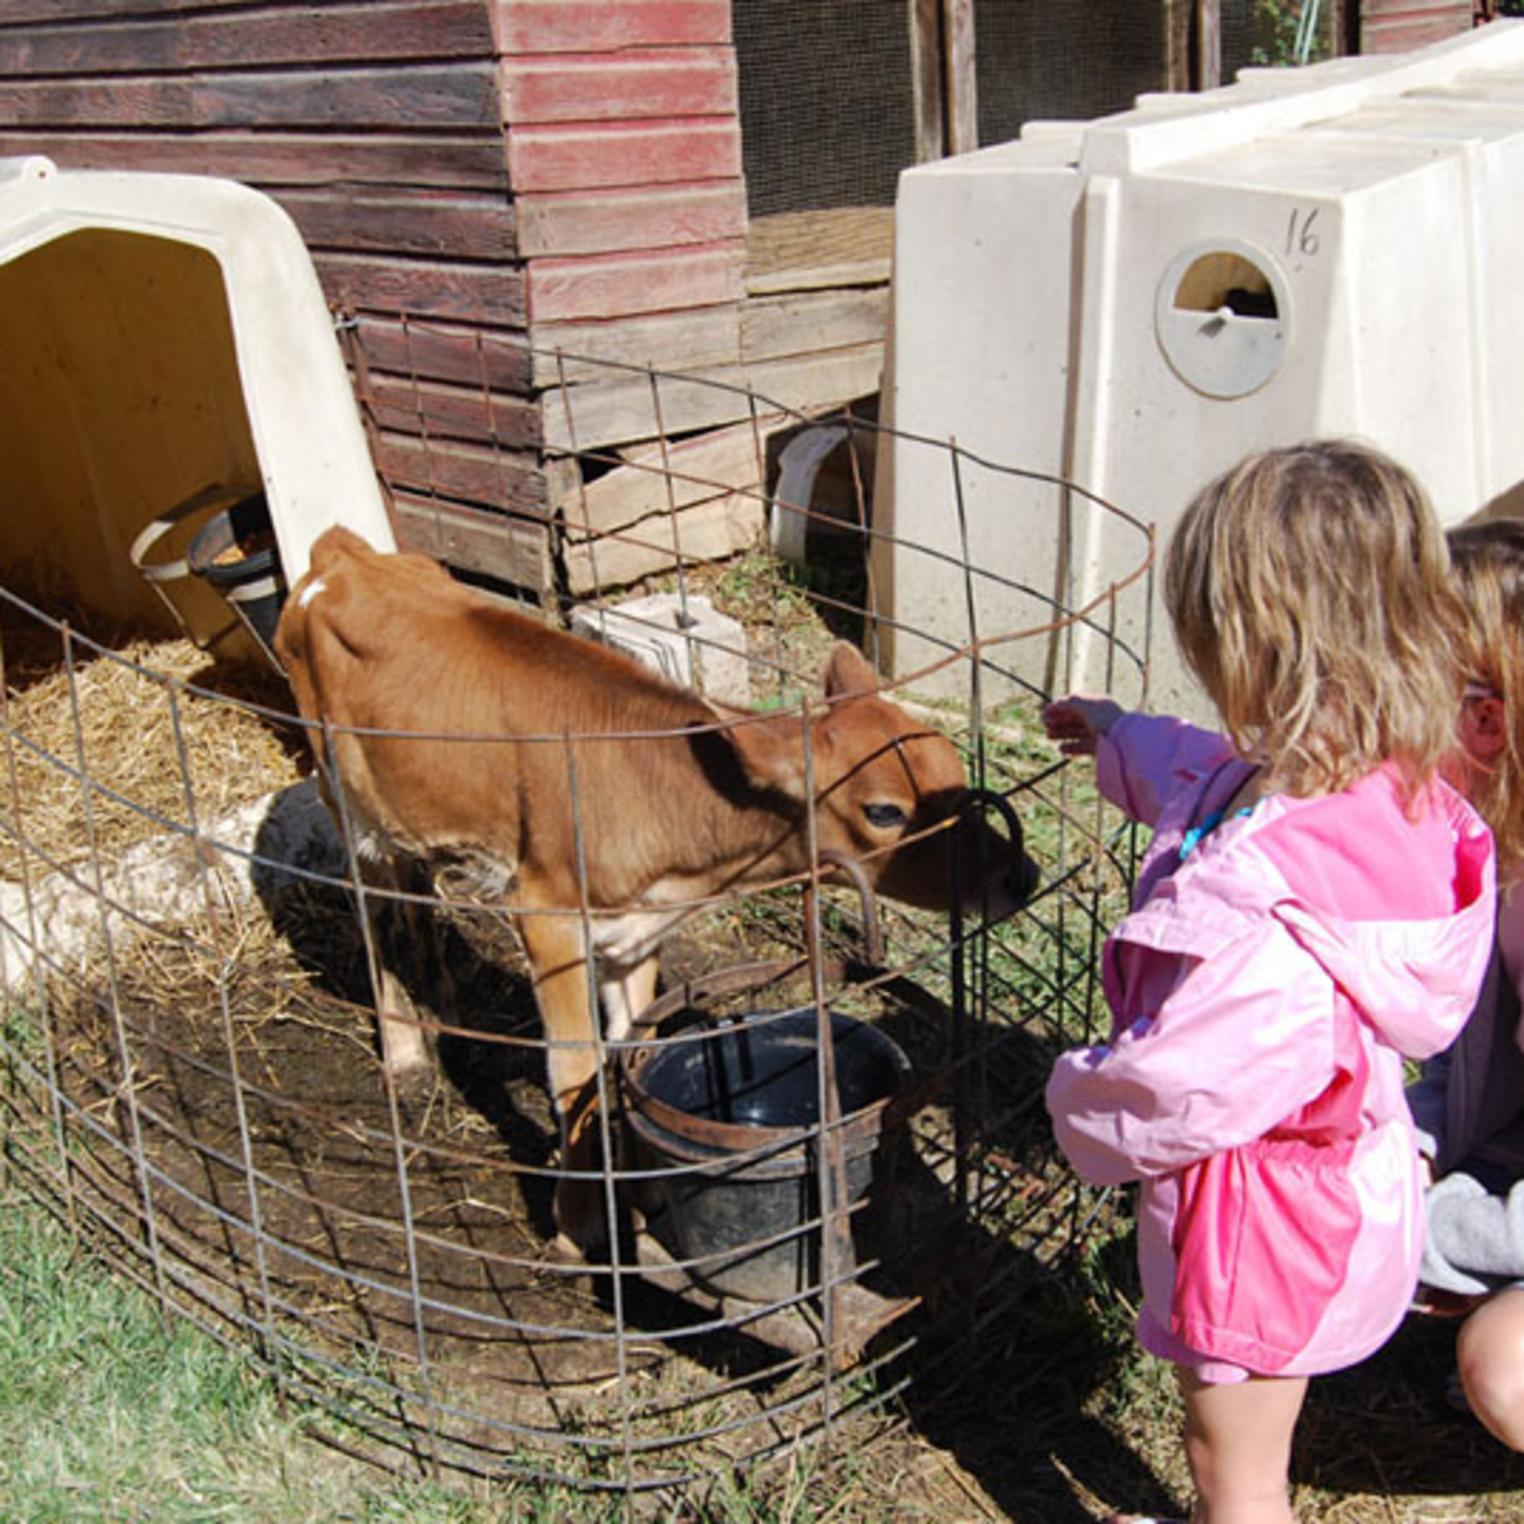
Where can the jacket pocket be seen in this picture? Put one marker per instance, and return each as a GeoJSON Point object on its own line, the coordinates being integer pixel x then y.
{"type": "Point", "coordinates": [1262, 1239]}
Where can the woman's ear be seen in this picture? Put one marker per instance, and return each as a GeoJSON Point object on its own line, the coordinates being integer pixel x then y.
{"type": "Point", "coordinates": [1483, 728]}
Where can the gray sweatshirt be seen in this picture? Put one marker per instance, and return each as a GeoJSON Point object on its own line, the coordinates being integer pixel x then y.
{"type": "Point", "coordinates": [1469, 1110]}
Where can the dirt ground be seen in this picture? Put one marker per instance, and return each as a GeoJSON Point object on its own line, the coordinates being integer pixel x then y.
{"type": "Point", "coordinates": [393, 1254]}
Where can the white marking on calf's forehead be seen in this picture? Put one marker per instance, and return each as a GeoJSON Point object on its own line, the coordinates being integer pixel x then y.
{"type": "Point", "coordinates": [312, 589]}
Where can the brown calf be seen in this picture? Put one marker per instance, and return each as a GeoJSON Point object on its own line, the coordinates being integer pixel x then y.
{"type": "Point", "coordinates": [609, 799]}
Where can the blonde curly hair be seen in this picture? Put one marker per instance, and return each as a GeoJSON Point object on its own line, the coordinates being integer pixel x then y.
{"type": "Point", "coordinates": [1488, 563]}
{"type": "Point", "coordinates": [1310, 592]}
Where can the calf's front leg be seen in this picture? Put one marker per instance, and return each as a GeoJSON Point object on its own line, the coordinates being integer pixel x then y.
{"type": "Point", "coordinates": [557, 951]}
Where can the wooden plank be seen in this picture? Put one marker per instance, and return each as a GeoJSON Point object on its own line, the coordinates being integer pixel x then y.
{"type": "Point", "coordinates": [1177, 43]}
{"type": "Point", "coordinates": [1340, 13]}
{"type": "Point", "coordinates": [579, 87]}
{"type": "Point", "coordinates": [926, 79]}
{"type": "Point", "coordinates": [290, 34]}
{"type": "Point", "coordinates": [272, 159]}
{"type": "Point", "coordinates": [805, 322]}
{"type": "Point", "coordinates": [1399, 26]}
{"type": "Point", "coordinates": [581, 26]}
{"type": "Point", "coordinates": [604, 222]}
{"type": "Point", "coordinates": [466, 472]}
{"type": "Point", "coordinates": [1208, 44]}
{"type": "Point", "coordinates": [655, 481]}
{"type": "Point", "coordinates": [413, 221]}
{"type": "Point", "coordinates": [617, 285]}
{"type": "Point", "coordinates": [437, 410]}
{"type": "Point", "coordinates": [19, 11]}
{"type": "Point", "coordinates": [437, 351]}
{"type": "Point", "coordinates": [705, 338]}
{"type": "Point", "coordinates": [662, 152]}
{"type": "Point", "coordinates": [625, 412]}
{"type": "Point", "coordinates": [501, 545]}
{"type": "Point", "coordinates": [803, 251]}
{"type": "Point", "coordinates": [449, 96]}
{"type": "Point", "coordinates": [490, 294]}
{"type": "Point", "coordinates": [962, 91]}
{"type": "Point", "coordinates": [708, 531]}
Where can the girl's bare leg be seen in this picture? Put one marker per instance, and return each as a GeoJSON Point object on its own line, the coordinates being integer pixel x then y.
{"type": "Point", "coordinates": [1490, 1353]}
{"type": "Point", "coordinates": [1238, 1443]}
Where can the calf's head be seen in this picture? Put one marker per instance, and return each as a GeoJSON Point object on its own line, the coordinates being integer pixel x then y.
{"type": "Point", "coordinates": [890, 792]}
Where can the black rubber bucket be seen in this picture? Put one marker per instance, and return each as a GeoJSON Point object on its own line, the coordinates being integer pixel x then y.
{"type": "Point", "coordinates": [728, 1112]}
{"type": "Point", "coordinates": [234, 552]}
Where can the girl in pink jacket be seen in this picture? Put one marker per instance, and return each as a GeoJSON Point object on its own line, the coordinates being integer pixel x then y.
{"type": "Point", "coordinates": [1316, 904]}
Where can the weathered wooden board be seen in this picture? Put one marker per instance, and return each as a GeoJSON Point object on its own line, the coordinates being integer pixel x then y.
{"type": "Point", "coordinates": [624, 412]}
{"type": "Point", "coordinates": [491, 294]}
{"type": "Point", "coordinates": [450, 96]}
{"type": "Point", "coordinates": [613, 87]}
{"type": "Point", "coordinates": [709, 531]}
{"type": "Point", "coordinates": [705, 338]}
{"type": "Point", "coordinates": [92, 10]}
{"type": "Point", "coordinates": [774, 326]}
{"type": "Point", "coordinates": [272, 159]}
{"type": "Point", "coordinates": [438, 411]}
{"type": "Point", "coordinates": [619, 285]}
{"type": "Point", "coordinates": [926, 80]}
{"type": "Point", "coordinates": [413, 221]}
{"type": "Point", "coordinates": [805, 251]}
{"type": "Point", "coordinates": [583, 26]}
{"type": "Point", "coordinates": [962, 120]}
{"type": "Point", "coordinates": [436, 351]}
{"type": "Point", "coordinates": [605, 222]}
{"type": "Point", "coordinates": [655, 481]}
{"type": "Point", "coordinates": [467, 472]}
{"type": "Point", "coordinates": [1399, 26]}
{"type": "Point", "coordinates": [503, 545]}
{"type": "Point", "coordinates": [332, 33]}
{"type": "Point", "coordinates": [587, 156]}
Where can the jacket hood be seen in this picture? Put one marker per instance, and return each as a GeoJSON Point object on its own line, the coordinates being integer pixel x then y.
{"type": "Point", "coordinates": [1400, 913]}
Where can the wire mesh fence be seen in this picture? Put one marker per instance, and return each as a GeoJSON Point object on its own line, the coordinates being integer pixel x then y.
{"type": "Point", "coordinates": [819, 1158]}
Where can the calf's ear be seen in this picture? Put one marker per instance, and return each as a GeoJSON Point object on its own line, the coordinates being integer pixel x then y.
{"type": "Point", "coordinates": [770, 754]}
{"type": "Point", "coordinates": [848, 672]}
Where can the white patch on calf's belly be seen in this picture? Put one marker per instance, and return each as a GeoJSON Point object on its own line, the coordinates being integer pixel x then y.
{"type": "Point", "coordinates": [308, 593]}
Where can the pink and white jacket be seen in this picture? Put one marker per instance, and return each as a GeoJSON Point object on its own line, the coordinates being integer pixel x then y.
{"type": "Point", "coordinates": [1264, 991]}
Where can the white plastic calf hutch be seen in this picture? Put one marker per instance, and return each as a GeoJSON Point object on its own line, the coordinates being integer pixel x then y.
{"type": "Point", "coordinates": [1132, 304]}
{"type": "Point", "coordinates": [161, 335]}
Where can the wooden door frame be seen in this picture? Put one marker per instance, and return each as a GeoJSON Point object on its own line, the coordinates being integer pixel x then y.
{"type": "Point", "coordinates": [943, 81]}
{"type": "Point", "coordinates": [1193, 40]}
{"type": "Point", "coordinates": [943, 57]}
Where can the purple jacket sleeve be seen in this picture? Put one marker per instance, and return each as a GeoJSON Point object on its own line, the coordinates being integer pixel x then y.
{"type": "Point", "coordinates": [1145, 758]}
{"type": "Point", "coordinates": [1235, 1044]}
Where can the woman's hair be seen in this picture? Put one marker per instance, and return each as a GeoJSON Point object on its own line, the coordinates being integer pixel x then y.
{"type": "Point", "coordinates": [1488, 562]}
{"type": "Point", "coordinates": [1310, 593]}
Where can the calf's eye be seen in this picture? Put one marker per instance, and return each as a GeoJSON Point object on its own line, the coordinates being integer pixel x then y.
{"type": "Point", "coordinates": [885, 816]}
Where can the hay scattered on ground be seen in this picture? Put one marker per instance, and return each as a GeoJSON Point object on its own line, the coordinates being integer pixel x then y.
{"type": "Point", "coordinates": [152, 748]}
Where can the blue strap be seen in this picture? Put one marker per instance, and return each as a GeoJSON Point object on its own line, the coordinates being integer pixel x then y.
{"type": "Point", "coordinates": [1192, 838]}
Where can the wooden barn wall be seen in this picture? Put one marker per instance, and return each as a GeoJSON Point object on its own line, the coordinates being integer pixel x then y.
{"type": "Point", "coordinates": [377, 125]}
{"type": "Point", "coordinates": [624, 152]}
{"type": "Point", "coordinates": [1399, 26]}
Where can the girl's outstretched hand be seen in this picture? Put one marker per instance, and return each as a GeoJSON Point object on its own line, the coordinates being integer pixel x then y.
{"type": "Point", "coordinates": [1077, 722]}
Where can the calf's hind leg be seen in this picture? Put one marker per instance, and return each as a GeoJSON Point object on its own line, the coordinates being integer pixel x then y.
{"type": "Point", "coordinates": [397, 936]}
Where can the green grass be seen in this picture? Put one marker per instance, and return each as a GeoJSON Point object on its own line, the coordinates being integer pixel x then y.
{"type": "Point", "coordinates": [109, 1413]}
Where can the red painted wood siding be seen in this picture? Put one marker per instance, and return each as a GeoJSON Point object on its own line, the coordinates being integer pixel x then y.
{"type": "Point", "coordinates": [582, 156]}
{"type": "Point", "coordinates": [609, 221]}
{"type": "Point", "coordinates": [583, 26]}
{"type": "Point", "coordinates": [379, 126]}
{"type": "Point", "coordinates": [624, 153]}
{"type": "Point", "coordinates": [1399, 26]}
{"type": "Point", "coordinates": [660, 280]}
{"type": "Point", "coordinates": [566, 87]}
